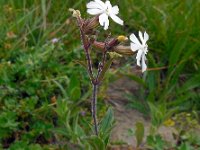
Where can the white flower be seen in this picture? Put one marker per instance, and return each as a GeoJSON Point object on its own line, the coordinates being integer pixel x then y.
{"type": "Point", "coordinates": [141, 47]}
{"type": "Point", "coordinates": [104, 10]}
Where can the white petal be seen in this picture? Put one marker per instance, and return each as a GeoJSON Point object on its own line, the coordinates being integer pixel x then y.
{"type": "Point", "coordinates": [135, 47]}
{"type": "Point", "coordinates": [94, 11]}
{"type": "Point", "coordinates": [141, 38]}
{"type": "Point", "coordinates": [93, 5]}
{"type": "Point", "coordinates": [146, 37]}
{"type": "Point", "coordinates": [102, 4]}
{"type": "Point", "coordinates": [106, 25]}
{"type": "Point", "coordinates": [134, 39]}
{"type": "Point", "coordinates": [116, 19]}
{"type": "Point", "coordinates": [144, 66]}
{"type": "Point", "coordinates": [103, 20]}
{"type": "Point", "coordinates": [115, 10]}
{"type": "Point", "coordinates": [108, 5]}
{"type": "Point", "coordinates": [146, 49]}
{"type": "Point", "coordinates": [139, 56]}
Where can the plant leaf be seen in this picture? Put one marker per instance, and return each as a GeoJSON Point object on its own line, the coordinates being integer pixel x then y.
{"type": "Point", "coordinates": [105, 68]}
{"type": "Point", "coordinates": [139, 133]}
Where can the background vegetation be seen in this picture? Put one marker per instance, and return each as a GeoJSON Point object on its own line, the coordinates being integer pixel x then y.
{"type": "Point", "coordinates": [45, 93]}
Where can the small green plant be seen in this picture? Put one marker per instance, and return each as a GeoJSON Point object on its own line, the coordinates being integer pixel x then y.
{"type": "Point", "coordinates": [155, 142]}
{"type": "Point", "coordinates": [187, 127]}
{"type": "Point", "coordinates": [78, 136]}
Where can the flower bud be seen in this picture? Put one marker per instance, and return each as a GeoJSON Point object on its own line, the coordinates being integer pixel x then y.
{"type": "Point", "coordinates": [106, 45]}
{"type": "Point", "coordinates": [99, 45]}
{"type": "Point", "coordinates": [75, 13]}
{"type": "Point", "coordinates": [116, 41]}
{"type": "Point", "coordinates": [122, 38]}
{"type": "Point", "coordinates": [123, 50]}
{"type": "Point", "coordinates": [90, 24]}
{"type": "Point", "coordinates": [110, 44]}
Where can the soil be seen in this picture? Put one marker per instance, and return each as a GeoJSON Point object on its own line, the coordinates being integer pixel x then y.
{"type": "Point", "coordinates": [126, 118]}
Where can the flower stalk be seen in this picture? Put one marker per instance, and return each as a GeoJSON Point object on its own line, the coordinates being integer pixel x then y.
{"type": "Point", "coordinates": [93, 107]}
{"type": "Point", "coordinates": [94, 81]}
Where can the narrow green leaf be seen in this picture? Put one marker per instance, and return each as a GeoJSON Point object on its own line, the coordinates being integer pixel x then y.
{"type": "Point", "coordinates": [106, 126]}
{"type": "Point", "coordinates": [105, 68]}
{"type": "Point", "coordinates": [96, 143]}
{"type": "Point", "coordinates": [139, 133]}
{"type": "Point", "coordinates": [191, 84]}
{"type": "Point", "coordinates": [61, 88]}
{"type": "Point", "coordinates": [74, 89]}
{"type": "Point", "coordinates": [80, 62]}
{"type": "Point", "coordinates": [107, 121]}
{"type": "Point", "coordinates": [61, 131]}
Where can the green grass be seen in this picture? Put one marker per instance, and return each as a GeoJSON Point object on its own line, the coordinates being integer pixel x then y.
{"type": "Point", "coordinates": [34, 72]}
{"type": "Point", "coordinates": [174, 45]}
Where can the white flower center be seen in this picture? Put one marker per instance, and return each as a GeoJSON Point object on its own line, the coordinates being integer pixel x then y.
{"type": "Point", "coordinates": [107, 11]}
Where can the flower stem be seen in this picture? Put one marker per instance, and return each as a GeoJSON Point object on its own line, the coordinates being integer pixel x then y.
{"type": "Point", "coordinates": [86, 46]}
{"type": "Point", "coordinates": [93, 109]}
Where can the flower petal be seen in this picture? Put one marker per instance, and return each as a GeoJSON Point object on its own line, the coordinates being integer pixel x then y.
{"type": "Point", "coordinates": [139, 56]}
{"type": "Point", "coordinates": [134, 39]}
{"type": "Point", "coordinates": [144, 66]}
{"type": "Point", "coordinates": [115, 9]}
{"type": "Point", "coordinates": [146, 37]}
{"type": "Point", "coordinates": [145, 49]}
{"type": "Point", "coordinates": [96, 7]}
{"type": "Point", "coordinates": [93, 5]}
{"type": "Point", "coordinates": [103, 20]}
{"type": "Point", "coordinates": [141, 38]}
{"type": "Point", "coordinates": [108, 5]}
{"type": "Point", "coordinates": [94, 11]}
{"type": "Point", "coordinates": [102, 4]}
{"type": "Point", "coordinates": [135, 47]}
{"type": "Point", "coordinates": [116, 19]}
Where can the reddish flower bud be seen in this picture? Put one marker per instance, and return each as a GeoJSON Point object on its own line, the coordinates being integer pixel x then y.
{"type": "Point", "coordinates": [90, 24]}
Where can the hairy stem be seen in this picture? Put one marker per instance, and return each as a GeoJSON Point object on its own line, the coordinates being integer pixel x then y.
{"type": "Point", "coordinates": [94, 80]}
{"type": "Point", "coordinates": [93, 109]}
{"type": "Point", "coordinates": [86, 46]}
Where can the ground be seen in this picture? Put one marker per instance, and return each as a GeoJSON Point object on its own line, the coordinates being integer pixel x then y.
{"type": "Point", "coordinates": [126, 117]}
